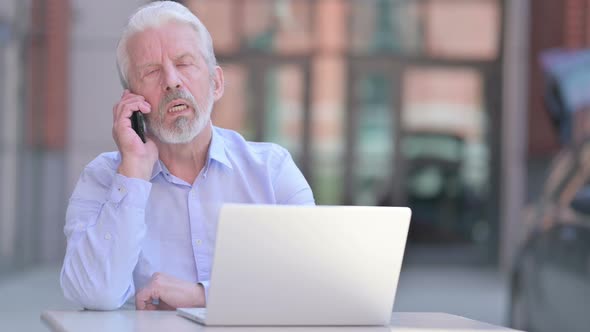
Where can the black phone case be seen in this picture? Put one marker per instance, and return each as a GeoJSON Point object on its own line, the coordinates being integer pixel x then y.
{"type": "Point", "coordinates": [138, 124]}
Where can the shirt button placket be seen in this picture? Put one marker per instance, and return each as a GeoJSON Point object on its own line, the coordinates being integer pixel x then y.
{"type": "Point", "coordinates": [192, 203]}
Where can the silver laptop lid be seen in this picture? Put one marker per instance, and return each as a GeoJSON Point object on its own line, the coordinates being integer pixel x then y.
{"type": "Point", "coordinates": [295, 265]}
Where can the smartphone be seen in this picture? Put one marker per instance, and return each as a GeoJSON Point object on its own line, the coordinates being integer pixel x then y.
{"type": "Point", "coordinates": [138, 124]}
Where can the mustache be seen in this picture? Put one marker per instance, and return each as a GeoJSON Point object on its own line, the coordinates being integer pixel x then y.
{"type": "Point", "coordinates": [177, 94]}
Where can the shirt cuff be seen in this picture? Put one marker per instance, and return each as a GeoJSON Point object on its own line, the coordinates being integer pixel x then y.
{"type": "Point", "coordinates": [135, 191]}
{"type": "Point", "coordinates": [205, 284]}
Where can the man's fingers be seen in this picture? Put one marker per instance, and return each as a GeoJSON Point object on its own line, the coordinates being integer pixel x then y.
{"type": "Point", "coordinates": [146, 305]}
{"type": "Point", "coordinates": [139, 303]}
{"type": "Point", "coordinates": [142, 106]}
{"type": "Point", "coordinates": [132, 98]}
{"type": "Point", "coordinates": [145, 106]}
{"type": "Point", "coordinates": [143, 299]}
{"type": "Point", "coordinates": [169, 293]}
{"type": "Point", "coordinates": [128, 109]}
{"type": "Point", "coordinates": [148, 298]}
{"type": "Point", "coordinates": [128, 99]}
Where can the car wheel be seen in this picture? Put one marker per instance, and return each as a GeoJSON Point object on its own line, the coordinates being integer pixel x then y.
{"type": "Point", "coordinates": [519, 307]}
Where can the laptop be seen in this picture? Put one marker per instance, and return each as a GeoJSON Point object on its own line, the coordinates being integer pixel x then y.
{"type": "Point", "coordinates": [304, 265]}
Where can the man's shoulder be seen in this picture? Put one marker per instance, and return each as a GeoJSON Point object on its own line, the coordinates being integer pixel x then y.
{"type": "Point", "coordinates": [238, 147]}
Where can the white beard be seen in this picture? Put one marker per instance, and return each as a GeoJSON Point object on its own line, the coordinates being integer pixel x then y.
{"type": "Point", "coordinates": [182, 130]}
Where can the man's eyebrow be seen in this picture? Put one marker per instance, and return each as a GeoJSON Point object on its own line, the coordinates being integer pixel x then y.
{"type": "Point", "coordinates": [146, 65]}
{"type": "Point", "coordinates": [184, 55]}
{"type": "Point", "coordinates": [154, 64]}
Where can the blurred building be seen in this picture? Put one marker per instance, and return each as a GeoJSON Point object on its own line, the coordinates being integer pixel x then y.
{"type": "Point", "coordinates": [34, 49]}
{"type": "Point", "coordinates": [381, 102]}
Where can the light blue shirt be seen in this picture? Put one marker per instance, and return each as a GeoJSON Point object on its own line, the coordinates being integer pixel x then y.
{"type": "Point", "coordinates": [121, 230]}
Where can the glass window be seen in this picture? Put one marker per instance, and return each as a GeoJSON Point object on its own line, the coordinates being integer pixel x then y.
{"type": "Point", "coordinates": [327, 126]}
{"type": "Point", "coordinates": [278, 25]}
{"type": "Point", "coordinates": [435, 28]}
{"type": "Point", "coordinates": [284, 108]}
{"type": "Point", "coordinates": [281, 26]}
{"type": "Point", "coordinates": [446, 153]}
{"type": "Point", "coordinates": [219, 17]}
{"type": "Point", "coordinates": [404, 69]}
{"type": "Point", "coordinates": [232, 111]}
{"type": "Point", "coordinates": [386, 25]}
{"type": "Point", "coordinates": [374, 156]}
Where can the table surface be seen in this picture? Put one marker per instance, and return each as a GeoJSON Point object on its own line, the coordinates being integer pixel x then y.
{"type": "Point", "coordinates": [131, 320]}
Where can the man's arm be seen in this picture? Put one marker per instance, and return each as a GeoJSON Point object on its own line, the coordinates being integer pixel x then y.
{"type": "Point", "coordinates": [104, 228]}
{"type": "Point", "coordinates": [105, 221]}
{"type": "Point", "coordinates": [290, 185]}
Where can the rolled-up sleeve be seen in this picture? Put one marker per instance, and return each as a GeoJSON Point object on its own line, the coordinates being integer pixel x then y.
{"type": "Point", "coordinates": [105, 225]}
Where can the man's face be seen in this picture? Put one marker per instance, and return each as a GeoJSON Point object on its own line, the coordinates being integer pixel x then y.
{"type": "Point", "coordinates": [168, 69]}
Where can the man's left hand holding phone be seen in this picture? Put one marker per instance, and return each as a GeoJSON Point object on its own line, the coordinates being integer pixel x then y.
{"type": "Point", "coordinates": [137, 157]}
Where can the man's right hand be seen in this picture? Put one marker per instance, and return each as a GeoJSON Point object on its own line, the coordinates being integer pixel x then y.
{"type": "Point", "coordinates": [137, 158]}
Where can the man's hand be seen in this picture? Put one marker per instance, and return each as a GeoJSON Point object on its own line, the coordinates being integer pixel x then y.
{"type": "Point", "coordinates": [137, 158]}
{"type": "Point", "coordinates": [169, 293]}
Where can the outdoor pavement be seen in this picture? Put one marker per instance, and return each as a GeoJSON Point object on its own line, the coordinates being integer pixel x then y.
{"type": "Point", "coordinates": [473, 292]}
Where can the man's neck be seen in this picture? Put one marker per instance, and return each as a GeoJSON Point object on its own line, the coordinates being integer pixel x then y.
{"type": "Point", "coordinates": [187, 160]}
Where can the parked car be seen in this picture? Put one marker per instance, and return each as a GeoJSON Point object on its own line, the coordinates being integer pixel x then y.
{"type": "Point", "coordinates": [550, 279]}
{"type": "Point", "coordinates": [436, 190]}
{"type": "Point", "coordinates": [447, 205]}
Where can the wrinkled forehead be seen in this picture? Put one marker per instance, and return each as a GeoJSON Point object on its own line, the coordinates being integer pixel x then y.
{"type": "Point", "coordinates": [169, 40]}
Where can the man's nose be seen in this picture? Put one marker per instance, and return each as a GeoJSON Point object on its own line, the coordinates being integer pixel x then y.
{"type": "Point", "coordinates": [172, 80]}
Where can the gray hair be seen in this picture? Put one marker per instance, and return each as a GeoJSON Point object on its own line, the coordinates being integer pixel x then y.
{"type": "Point", "coordinates": [156, 14]}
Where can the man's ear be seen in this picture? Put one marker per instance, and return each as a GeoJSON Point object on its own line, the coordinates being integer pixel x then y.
{"type": "Point", "coordinates": [218, 83]}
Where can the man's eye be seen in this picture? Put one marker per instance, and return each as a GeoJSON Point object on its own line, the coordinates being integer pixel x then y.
{"type": "Point", "coordinates": [183, 64]}
{"type": "Point", "coordinates": [151, 72]}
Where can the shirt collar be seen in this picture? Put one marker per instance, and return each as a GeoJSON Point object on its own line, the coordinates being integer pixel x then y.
{"type": "Point", "coordinates": [217, 149]}
{"type": "Point", "coordinates": [159, 167]}
{"type": "Point", "coordinates": [216, 152]}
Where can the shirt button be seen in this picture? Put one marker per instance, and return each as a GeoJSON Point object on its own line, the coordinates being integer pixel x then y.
{"type": "Point", "coordinates": [121, 190]}
{"type": "Point", "coordinates": [80, 227]}
{"type": "Point", "coordinates": [107, 236]}
{"type": "Point", "coordinates": [198, 242]}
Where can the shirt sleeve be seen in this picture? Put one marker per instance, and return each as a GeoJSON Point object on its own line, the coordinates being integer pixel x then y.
{"type": "Point", "coordinates": [105, 224]}
{"type": "Point", "coordinates": [290, 185]}
{"type": "Point", "coordinates": [205, 284]}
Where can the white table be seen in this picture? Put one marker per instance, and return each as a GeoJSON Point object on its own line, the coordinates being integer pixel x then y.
{"type": "Point", "coordinates": [131, 320]}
